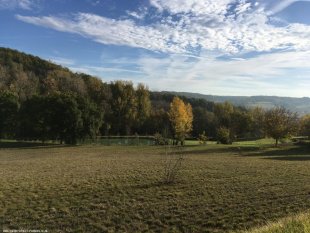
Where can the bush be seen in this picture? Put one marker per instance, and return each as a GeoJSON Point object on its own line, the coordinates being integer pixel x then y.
{"type": "Point", "coordinates": [223, 135]}
{"type": "Point", "coordinates": [202, 138]}
{"type": "Point", "coordinates": [160, 140]}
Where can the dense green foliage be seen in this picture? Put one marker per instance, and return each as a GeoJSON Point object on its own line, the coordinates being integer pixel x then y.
{"type": "Point", "coordinates": [8, 114]}
{"type": "Point", "coordinates": [58, 117]}
{"type": "Point", "coordinates": [43, 101]}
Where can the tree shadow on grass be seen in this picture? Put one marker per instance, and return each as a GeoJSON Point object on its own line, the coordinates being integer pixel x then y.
{"type": "Point", "coordinates": [28, 145]}
{"type": "Point", "coordinates": [148, 186]}
{"type": "Point", "coordinates": [292, 153]}
{"type": "Point", "coordinates": [217, 150]}
{"type": "Point", "coordinates": [292, 158]}
{"type": "Point", "coordinates": [157, 184]}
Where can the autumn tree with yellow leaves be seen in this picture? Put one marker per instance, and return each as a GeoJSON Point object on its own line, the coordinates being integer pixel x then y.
{"type": "Point", "coordinates": [181, 118]}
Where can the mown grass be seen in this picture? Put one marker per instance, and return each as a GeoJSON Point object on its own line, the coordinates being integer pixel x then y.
{"type": "Point", "coordinates": [119, 189]}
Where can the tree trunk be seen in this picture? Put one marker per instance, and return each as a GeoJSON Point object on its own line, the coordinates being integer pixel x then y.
{"type": "Point", "coordinates": [277, 142]}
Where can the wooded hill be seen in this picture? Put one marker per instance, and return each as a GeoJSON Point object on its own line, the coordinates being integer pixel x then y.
{"type": "Point", "coordinates": [40, 100]}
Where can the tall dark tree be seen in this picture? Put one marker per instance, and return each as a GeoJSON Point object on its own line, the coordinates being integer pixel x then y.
{"type": "Point", "coordinates": [143, 108]}
{"type": "Point", "coordinates": [158, 122]}
{"type": "Point", "coordinates": [223, 112]}
{"type": "Point", "coordinates": [52, 117]}
{"type": "Point", "coordinates": [257, 116]}
{"type": "Point", "coordinates": [92, 118]}
{"type": "Point", "coordinates": [64, 117]}
{"type": "Point", "coordinates": [8, 114]}
{"type": "Point", "coordinates": [240, 123]}
{"type": "Point", "coordinates": [33, 123]}
{"type": "Point", "coordinates": [124, 107]}
{"type": "Point", "coordinates": [204, 121]}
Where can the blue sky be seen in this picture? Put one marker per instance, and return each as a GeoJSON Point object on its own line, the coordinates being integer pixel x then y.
{"type": "Point", "coordinates": [222, 47]}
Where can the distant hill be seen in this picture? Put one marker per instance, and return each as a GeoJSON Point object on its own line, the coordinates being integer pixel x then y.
{"type": "Point", "coordinates": [299, 105]}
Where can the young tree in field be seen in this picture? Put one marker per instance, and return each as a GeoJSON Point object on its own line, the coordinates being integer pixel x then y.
{"type": "Point", "coordinates": [305, 125]}
{"type": "Point", "coordinates": [8, 113]}
{"type": "Point", "coordinates": [181, 118]}
{"type": "Point", "coordinates": [280, 123]}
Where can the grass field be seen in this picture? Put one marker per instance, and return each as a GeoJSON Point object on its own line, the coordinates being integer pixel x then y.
{"type": "Point", "coordinates": [119, 189]}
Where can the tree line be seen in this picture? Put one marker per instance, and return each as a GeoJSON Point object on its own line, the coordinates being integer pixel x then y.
{"type": "Point", "coordinates": [43, 101]}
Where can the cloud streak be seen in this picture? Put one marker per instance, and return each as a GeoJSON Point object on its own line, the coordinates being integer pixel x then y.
{"type": "Point", "coordinates": [268, 73]}
{"type": "Point", "coordinates": [227, 26]}
{"type": "Point", "coordinates": [218, 47]}
{"type": "Point", "coordinates": [279, 5]}
{"type": "Point", "coordinates": [21, 4]}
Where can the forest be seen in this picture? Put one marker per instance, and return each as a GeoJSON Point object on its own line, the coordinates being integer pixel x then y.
{"type": "Point", "coordinates": [43, 101]}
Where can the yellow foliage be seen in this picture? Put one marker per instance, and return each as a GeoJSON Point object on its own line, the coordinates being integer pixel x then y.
{"type": "Point", "coordinates": [181, 117]}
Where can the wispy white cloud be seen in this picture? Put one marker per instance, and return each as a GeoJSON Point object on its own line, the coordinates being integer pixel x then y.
{"type": "Point", "coordinates": [62, 61]}
{"type": "Point", "coordinates": [228, 26]}
{"type": "Point", "coordinates": [139, 14]}
{"type": "Point", "coordinates": [264, 74]}
{"type": "Point", "coordinates": [102, 70]}
{"type": "Point", "coordinates": [196, 7]}
{"type": "Point", "coordinates": [22, 4]}
{"type": "Point", "coordinates": [273, 73]}
{"type": "Point", "coordinates": [194, 34]}
{"type": "Point", "coordinates": [108, 31]}
{"type": "Point", "coordinates": [275, 6]}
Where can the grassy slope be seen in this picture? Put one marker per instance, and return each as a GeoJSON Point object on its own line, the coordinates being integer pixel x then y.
{"type": "Point", "coordinates": [295, 224]}
{"type": "Point", "coordinates": [98, 189]}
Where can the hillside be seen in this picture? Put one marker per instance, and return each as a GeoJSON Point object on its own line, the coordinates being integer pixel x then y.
{"type": "Point", "coordinates": [27, 75]}
{"type": "Point", "coordinates": [300, 105]}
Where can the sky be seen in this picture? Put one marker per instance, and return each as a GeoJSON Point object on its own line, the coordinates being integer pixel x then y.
{"type": "Point", "coordinates": [219, 47]}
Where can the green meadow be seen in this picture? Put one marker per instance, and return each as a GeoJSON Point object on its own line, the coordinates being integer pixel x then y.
{"type": "Point", "coordinates": [94, 188]}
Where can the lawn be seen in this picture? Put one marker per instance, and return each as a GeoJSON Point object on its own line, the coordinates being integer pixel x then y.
{"type": "Point", "coordinates": [119, 189]}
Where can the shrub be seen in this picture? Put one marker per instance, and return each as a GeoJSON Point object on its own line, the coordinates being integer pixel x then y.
{"type": "Point", "coordinates": [223, 135]}
{"type": "Point", "coordinates": [160, 140]}
{"type": "Point", "coordinates": [202, 138]}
